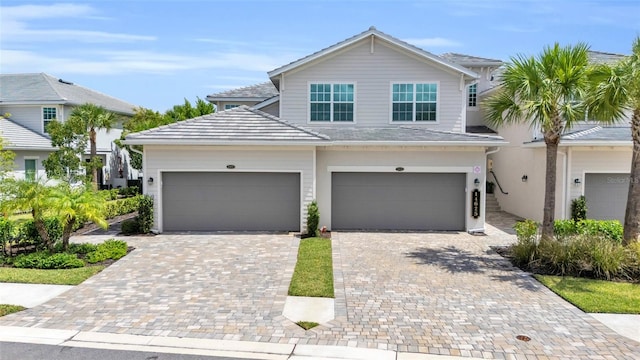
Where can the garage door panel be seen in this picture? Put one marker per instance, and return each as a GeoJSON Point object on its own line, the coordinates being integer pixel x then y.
{"type": "Point", "coordinates": [231, 201]}
{"type": "Point", "coordinates": [606, 196]}
{"type": "Point", "coordinates": [398, 201]}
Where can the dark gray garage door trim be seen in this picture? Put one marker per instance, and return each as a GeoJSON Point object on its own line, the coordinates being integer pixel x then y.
{"type": "Point", "coordinates": [162, 201]}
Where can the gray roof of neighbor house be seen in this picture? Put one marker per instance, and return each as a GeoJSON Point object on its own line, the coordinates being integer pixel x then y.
{"type": "Point", "coordinates": [593, 136]}
{"type": "Point", "coordinates": [372, 31]}
{"type": "Point", "coordinates": [247, 125]}
{"type": "Point", "coordinates": [237, 125]}
{"type": "Point", "coordinates": [469, 60]}
{"type": "Point", "coordinates": [257, 92]}
{"type": "Point", "coordinates": [403, 134]}
{"type": "Point", "coordinates": [18, 137]}
{"type": "Point", "coordinates": [598, 57]}
{"type": "Point", "coordinates": [41, 88]}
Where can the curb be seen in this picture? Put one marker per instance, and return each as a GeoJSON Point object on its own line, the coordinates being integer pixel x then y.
{"type": "Point", "coordinates": [202, 347]}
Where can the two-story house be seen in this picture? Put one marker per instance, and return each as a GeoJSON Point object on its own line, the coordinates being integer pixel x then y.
{"type": "Point", "coordinates": [34, 100]}
{"type": "Point", "coordinates": [372, 128]}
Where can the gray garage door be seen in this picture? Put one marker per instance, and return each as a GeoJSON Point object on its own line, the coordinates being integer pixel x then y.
{"type": "Point", "coordinates": [194, 201]}
{"type": "Point", "coordinates": [397, 201]}
{"type": "Point", "coordinates": [606, 196]}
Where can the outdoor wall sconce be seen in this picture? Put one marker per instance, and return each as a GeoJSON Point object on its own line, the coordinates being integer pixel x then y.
{"type": "Point", "coordinates": [231, 166]}
{"type": "Point", "coordinates": [577, 181]}
{"type": "Point", "coordinates": [150, 181]}
{"type": "Point", "coordinates": [399, 168]}
{"type": "Point", "coordinates": [476, 182]}
{"type": "Point", "coordinates": [525, 178]}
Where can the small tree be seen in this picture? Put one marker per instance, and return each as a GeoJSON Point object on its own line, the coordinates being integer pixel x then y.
{"type": "Point", "coordinates": [74, 203]}
{"type": "Point", "coordinates": [579, 209]}
{"type": "Point", "coordinates": [66, 162]}
{"type": "Point", "coordinates": [313, 218]}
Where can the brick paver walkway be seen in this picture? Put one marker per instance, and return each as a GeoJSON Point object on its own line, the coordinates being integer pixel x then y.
{"type": "Point", "coordinates": [439, 293]}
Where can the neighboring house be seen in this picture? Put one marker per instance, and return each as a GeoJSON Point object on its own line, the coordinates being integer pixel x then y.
{"type": "Point", "coordinates": [594, 160]}
{"type": "Point", "coordinates": [263, 96]}
{"type": "Point", "coordinates": [33, 100]}
{"type": "Point", "coordinates": [372, 128]}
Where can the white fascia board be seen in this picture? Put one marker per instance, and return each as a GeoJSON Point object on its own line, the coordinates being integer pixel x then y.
{"type": "Point", "coordinates": [267, 102]}
{"type": "Point", "coordinates": [232, 98]}
{"type": "Point", "coordinates": [28, 148]}
{"type": "Point", "coordinates": [35, 102]}
{"type": "Point", "coordinates": [170, 142]}
{"type": "Point", "coordinates": [418, 143]}
{"type": "Point", "coordinates": [597, 143]}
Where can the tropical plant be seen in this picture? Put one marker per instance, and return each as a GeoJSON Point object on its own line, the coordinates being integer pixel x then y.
{"type": "Point", "coordinates": [547, 92]}
{"type": "Point", "coordinates": [313, 218]}
{"type": "Point", "coordinates": [579, 208]}
{"type": "Point", "coordinates": [616, 90]}
{"type": "Point", "coordinates": [73, 203]}
{"type": "Point", "coordinates": [31, 196]}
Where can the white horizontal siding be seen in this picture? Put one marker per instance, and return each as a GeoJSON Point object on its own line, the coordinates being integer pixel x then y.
{"type": "Point", "coordinates": [387, 159]}
{"type": "Point", "coordinates": [21, 156]}
{"type": "Point", "coordinates": [211, 158]}
{"type": "Point", "coordinates": [373, 74]}
{"type": "Point", "coordinates": [27, 116]}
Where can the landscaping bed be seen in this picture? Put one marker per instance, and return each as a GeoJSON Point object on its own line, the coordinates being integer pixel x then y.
{"type": "Point", "coordinates": [313, 274]}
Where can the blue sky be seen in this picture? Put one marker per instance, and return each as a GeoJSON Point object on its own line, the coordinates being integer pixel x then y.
{"type": "Point", "coordinates": [156, 53]}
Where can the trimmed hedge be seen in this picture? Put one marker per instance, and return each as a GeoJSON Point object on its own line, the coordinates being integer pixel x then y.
{"type": "Point", "coordinates": [110, 249]}
{"type": "Point", "coordinates": [610, 229]}
{"type": "Point", "coordinates": [44, 260]}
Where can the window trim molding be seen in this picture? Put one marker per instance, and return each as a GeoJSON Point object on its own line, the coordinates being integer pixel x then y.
{"type": "Point", "coordinates": [332, 82]}
{"type": "Point", "coordinates": [35, 162]}
{"type": "Point", "coordinates": [466, 101]}
{"type": "Point", "coordinates": [414, 82]}
{"type": "Point", "coordinates": [42, 120]}
{"type": "Point", "coordinates": [231, 106]}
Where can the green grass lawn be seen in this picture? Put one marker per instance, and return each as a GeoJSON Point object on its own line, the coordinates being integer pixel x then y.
{"type": "Point", "coordinates": [9, 309]}
{"type": "Point", "coordinates": [595, 296]}
{"type": "Point", "coordinates": [313, 275]}
{"type": "Point", "coordinates": [54, 277]}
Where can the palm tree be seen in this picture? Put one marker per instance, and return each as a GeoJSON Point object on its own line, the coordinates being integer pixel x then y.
{"type": "Point", "coordinates": [616, 90]}
{"type": "Point", "coordinates": [547, 92]}
{"type": "Point", "coordinates": [72, 204]}
{"type": "Point", "coordinates": [28, 195]}
{"type": "Point", "coordinates": [89, 117]}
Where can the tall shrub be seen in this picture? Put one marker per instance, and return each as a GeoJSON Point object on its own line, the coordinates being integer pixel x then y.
{"type": "Point", "coordinates": [313, 218]}
{"type": "Point", "coordinates": [579, 208]}
{"type": "Point", "coordinates": [145, 214]}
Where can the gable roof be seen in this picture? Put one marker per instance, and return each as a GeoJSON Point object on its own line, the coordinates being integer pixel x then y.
{"type": "Point", "coordinates": [406, 134]}
{"type": "Point", "coordinates": [593, 136]}
{"type": "Point", "coordinates": [41, 88]}
{"type": "Point", "coordinates": [18, 137]}
{"type": "Point", "coordinates": [469, 60]}
{"type": "Point", "coordinates": [257, 92]}
{"type": "Point", "coordinates": [378, 34]}
{"type": "Point", "coordinates": [238, 125]}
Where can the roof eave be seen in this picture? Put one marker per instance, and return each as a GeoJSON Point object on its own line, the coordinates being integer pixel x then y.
{"type": "Point", "coordinates": [171, 142]}
{"type": "Point", "coordinates": [419, 143]}
{"type": "Point", "coordinates": [231, 98]}
{"type": "Point", "coordinates": [372, 32]}
{"type": "Point", "coordinates": [592, 143]}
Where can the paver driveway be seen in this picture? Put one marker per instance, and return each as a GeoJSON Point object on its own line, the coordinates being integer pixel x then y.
{"type": "Point", "coordinates": [427, 292]}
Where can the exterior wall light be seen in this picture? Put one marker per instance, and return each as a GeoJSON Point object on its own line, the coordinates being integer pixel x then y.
{"type": "Point", "coordinates": [577, 181]}
{"type": "Point", "coordinates": [525, 178]}
{"type": "Point", "coordinates": [476, 182]}
{"type": "Point", "coordinates": [150, 181]}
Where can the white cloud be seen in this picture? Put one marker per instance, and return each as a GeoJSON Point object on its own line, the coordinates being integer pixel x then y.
{"type": "Point", "coordinates": [433, 42]}
{"type": "Point", "coordinates": [15, 25]}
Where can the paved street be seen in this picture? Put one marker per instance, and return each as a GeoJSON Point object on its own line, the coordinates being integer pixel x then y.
{"type": "Point", "coordinates": [438, 293]}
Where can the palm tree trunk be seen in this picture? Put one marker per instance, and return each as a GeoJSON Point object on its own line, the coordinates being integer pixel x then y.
{"type": "Point", "coordinates": [66, 233]}
{"type": "Point", "coordinates": [42, 230]}
{"type": "Point", "coordinates": [548, 216]}
{"type": "Point", "coordinates": [94, 151]}
{"type": "Point", "coordinates": [632, 214]}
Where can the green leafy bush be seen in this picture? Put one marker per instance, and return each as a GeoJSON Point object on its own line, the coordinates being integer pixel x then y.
{"type": "Point", "coordinates": [122, 206]}
{"type": "Point", "coordinates": [610, 229]}
{"type": "Point", "coordinates": [313, 218]}
{"type": "Point", "coordinates": [130, 226]}
{"type": "Point", "coordinates": [130, 191]}
{"type": "Point", "coordinates": [110, 249]}
{"type": "Point", "coordinates": [145, 214]}
{"type": "Point", "coordinates": [83, 248]}
{"type": "Point", "coordinates": [563, 228]}
{"type": "Point", "coordinates": [6, 230]}
{"type": "Point", "coordinates": [44, 260]}
{"type": "Point", "coordinates": [525, 249]}
{"type": "Point", "coordinates": [27, 230]}
{"type": "Point", "coordinates": [579, 208]}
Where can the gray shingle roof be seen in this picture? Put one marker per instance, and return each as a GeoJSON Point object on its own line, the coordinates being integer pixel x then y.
{"type": "Point", "coordinates": [237, 124]}
{"type": "Point", "coordinates": [263, 91]}
{"type": "Point", "coordinates": [18, 137]}
{"type": "Point", "coordinates": [44, 88]}
{"type": "Point", "coordinates": [468, 60]}
{"type": "Point", "coordinates": [402, 133]}
{"type": "Point", "coordinates": [598, 57]}
{"type": "Point", "coordinates": [600, 133]}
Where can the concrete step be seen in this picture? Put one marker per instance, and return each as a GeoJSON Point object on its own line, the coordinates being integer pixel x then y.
{"type": "Point", "coordinates": [492, 204]}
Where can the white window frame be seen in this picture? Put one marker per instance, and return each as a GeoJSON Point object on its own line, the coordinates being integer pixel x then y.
{"type": "Point", "coordinates": [468, 100]}
{"type": "Point", "coordinates": [414, 121]}
{"type": "Point", "coordinates": [331, 102]}
{"type": "Point", "coordinates": [47, 120]}
{"type": "Point", "coordinates": [35, 159]}
{"type": "Point", "coordinates": [230, 106]}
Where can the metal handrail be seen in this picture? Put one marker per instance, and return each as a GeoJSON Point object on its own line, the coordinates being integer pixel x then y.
{"type": "Point", "coordinates": [498, 182]}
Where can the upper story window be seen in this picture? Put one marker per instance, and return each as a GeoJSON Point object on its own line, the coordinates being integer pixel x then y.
{"type": "Point", "coordinates": [48, 115]}
{"type": "Point", "coordinates": [230, 106]}
{"type": "Point", "coordinates": [472, 95]}
{"type": "Point", "coordinates": [414, 101]}
{"type": "Point", "coordinates": [331, 102]}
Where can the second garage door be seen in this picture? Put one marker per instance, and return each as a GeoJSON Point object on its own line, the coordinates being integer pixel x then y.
{"type": "Point", "coordinates": [606, 196]}
{"type": "Point", "coordinates": [197, 201]}
{"type": "Point", "coordinates": [398, 201]}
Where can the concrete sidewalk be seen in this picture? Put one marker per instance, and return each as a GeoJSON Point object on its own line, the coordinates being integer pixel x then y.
{"type": "Point", "coordinates": [29, 295]}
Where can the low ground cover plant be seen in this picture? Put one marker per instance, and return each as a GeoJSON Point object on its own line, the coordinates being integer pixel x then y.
{"type": "Point", "coordinates": [585, 248]}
